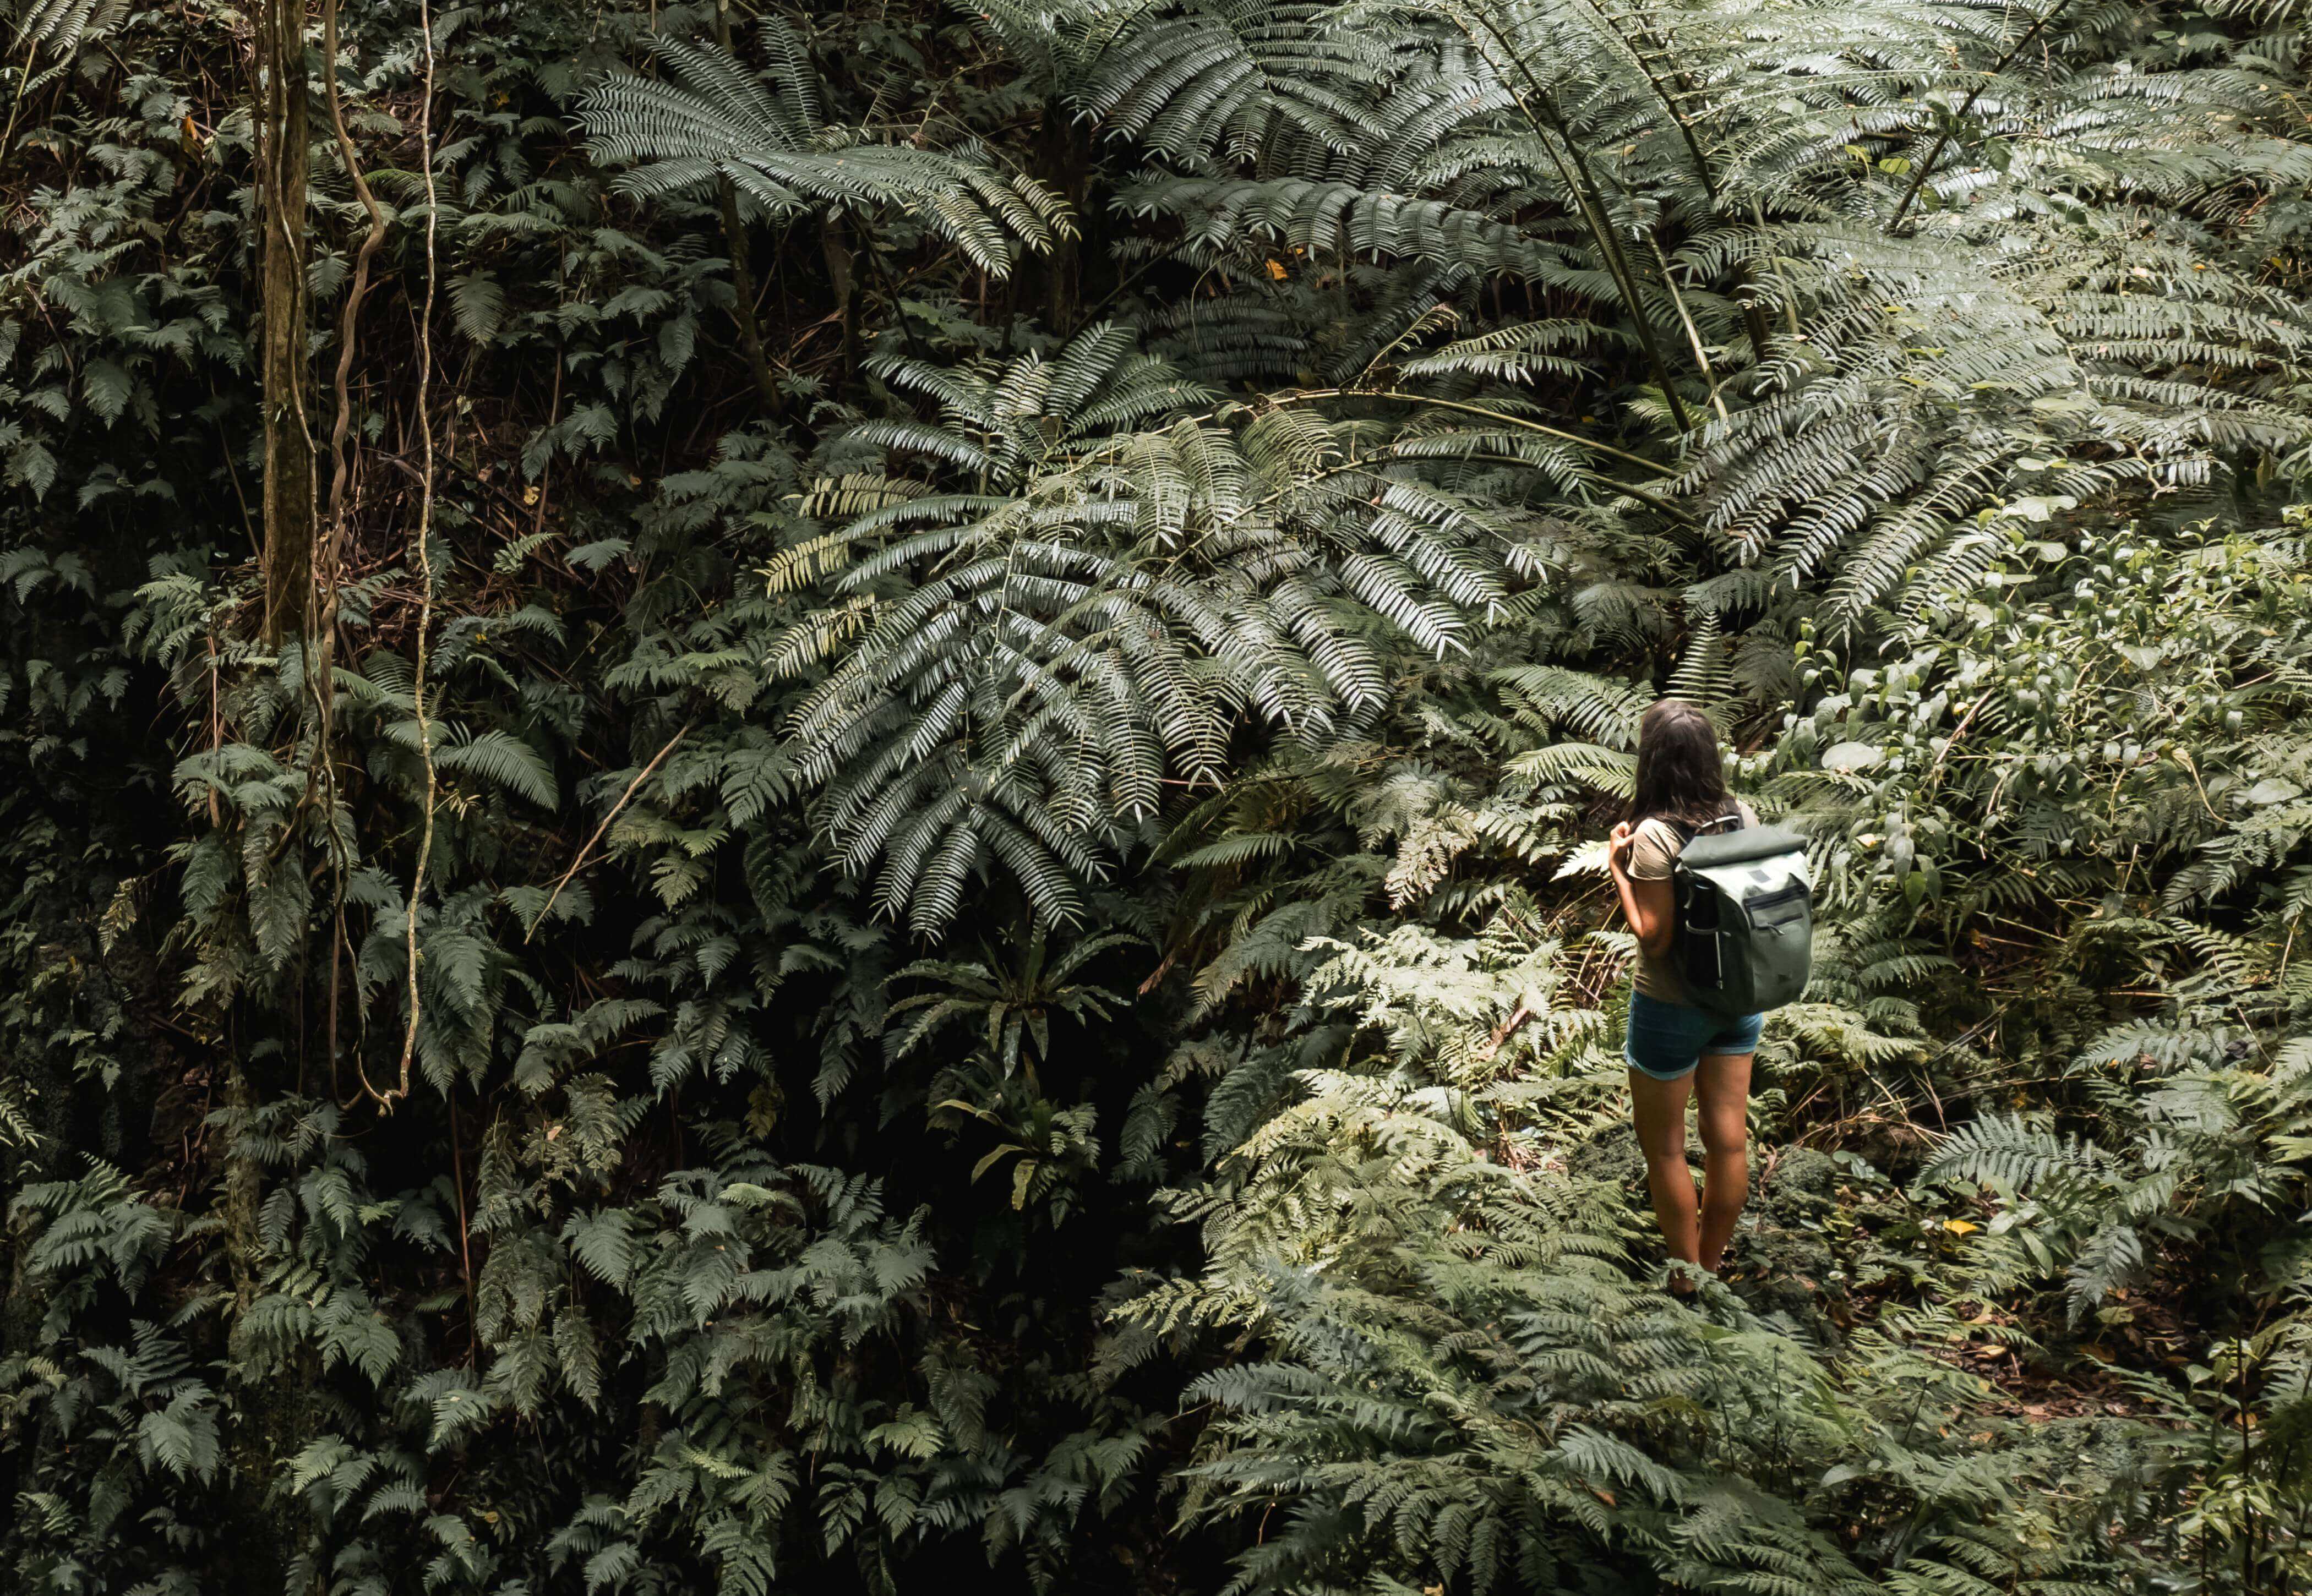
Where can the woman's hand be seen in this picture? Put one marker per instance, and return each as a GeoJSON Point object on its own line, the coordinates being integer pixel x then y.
{"type": "Point", "coordinates": [1618, 842]}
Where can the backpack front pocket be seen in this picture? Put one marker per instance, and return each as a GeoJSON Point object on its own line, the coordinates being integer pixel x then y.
{"type": "Point", "coordinates": [1779, 913]}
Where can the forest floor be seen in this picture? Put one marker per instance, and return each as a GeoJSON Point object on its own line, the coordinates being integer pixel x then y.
{"type": "Point", "coordinates": [1793, 1259]}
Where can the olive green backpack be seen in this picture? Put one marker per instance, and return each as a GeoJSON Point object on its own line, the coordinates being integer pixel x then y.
{"type": "Point", "coordinates": [1745, 917]}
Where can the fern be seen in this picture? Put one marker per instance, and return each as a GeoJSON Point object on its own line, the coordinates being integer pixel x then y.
{"type": "Point", "coordinates": [713, 118]}
{"type": "Point", "coordinates": [1035, 659]}
{"type": "Point", "coordinates": [61, 25]}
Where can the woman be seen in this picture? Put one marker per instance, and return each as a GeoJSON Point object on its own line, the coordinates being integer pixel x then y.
{"type": "Point", "coordinates": [1676, 1050]}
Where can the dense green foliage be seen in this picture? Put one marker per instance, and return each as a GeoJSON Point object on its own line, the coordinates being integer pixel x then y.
{"type": "Point", "coordinates": [931, 896]}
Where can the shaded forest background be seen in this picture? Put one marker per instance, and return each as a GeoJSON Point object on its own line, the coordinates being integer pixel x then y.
{"type": "Point", "coordinates": [814, 798]}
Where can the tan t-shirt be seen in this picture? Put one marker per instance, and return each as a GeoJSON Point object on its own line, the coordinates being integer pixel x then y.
{"type": "Point", "coordinates": [1654, 848]}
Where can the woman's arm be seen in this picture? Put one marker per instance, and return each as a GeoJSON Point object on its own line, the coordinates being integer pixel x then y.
{"type": "Point", "coordinates": [1650, 906]}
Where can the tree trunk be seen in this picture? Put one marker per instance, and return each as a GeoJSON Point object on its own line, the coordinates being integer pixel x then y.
{"type": "Point", "coordinates": [1063, 165]}
{"type": "Point", "coordinates": [263, 1422]}
{"type": "Point", "coordinates": [282, 159]}
{"type": "Point", "coordinates": [835, 233]}
{"type": "Point", "coordinates": [742, 271]}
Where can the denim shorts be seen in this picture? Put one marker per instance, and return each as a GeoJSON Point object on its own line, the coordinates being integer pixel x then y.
{"type": "Point", "coordinates": [1668, 1040]}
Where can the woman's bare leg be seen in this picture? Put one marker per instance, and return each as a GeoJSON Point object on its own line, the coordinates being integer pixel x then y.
{"type": "Point", "coordinates": [1658, 1108]}
{"type": "Point", "coordinates": [1722, 1088]}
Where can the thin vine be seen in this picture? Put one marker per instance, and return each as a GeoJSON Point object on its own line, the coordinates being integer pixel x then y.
{"type": "Point", "coordinates": [425, 554]}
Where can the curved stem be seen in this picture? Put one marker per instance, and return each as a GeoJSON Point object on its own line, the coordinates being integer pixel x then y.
{"type": "Point", "coordinates": [1693, 333]}
{"type": "Point", "coordinates": [1753, 319]}
{"type": "Point", "coordinates": [1519, 421]}
{"type": "Point", "coordinates": [1596, 214]}
{"type": "Point", "coordinates": [632, 787]}
{"type": "Point", "coordinates": [1919, 178]}
{"type": "Point", "coordinates": [16, 100]}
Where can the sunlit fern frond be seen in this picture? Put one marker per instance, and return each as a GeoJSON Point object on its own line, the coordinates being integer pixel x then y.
{"type": "Point", "coordinates": [60, 26]}
{"type": "Point", "coordinates": [1232, 76]}
{"type": "Point", "coordinates": [712, 117]}
{"type": "Point", "coordinates": [1134, 580]}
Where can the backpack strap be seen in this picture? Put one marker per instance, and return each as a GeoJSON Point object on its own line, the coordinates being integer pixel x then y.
{"type": "Point", "coordinates": [1687, 833]}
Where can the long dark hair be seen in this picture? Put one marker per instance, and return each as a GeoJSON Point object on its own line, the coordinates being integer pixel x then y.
{"type": "Point", "coordinates": [1680, 777]}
